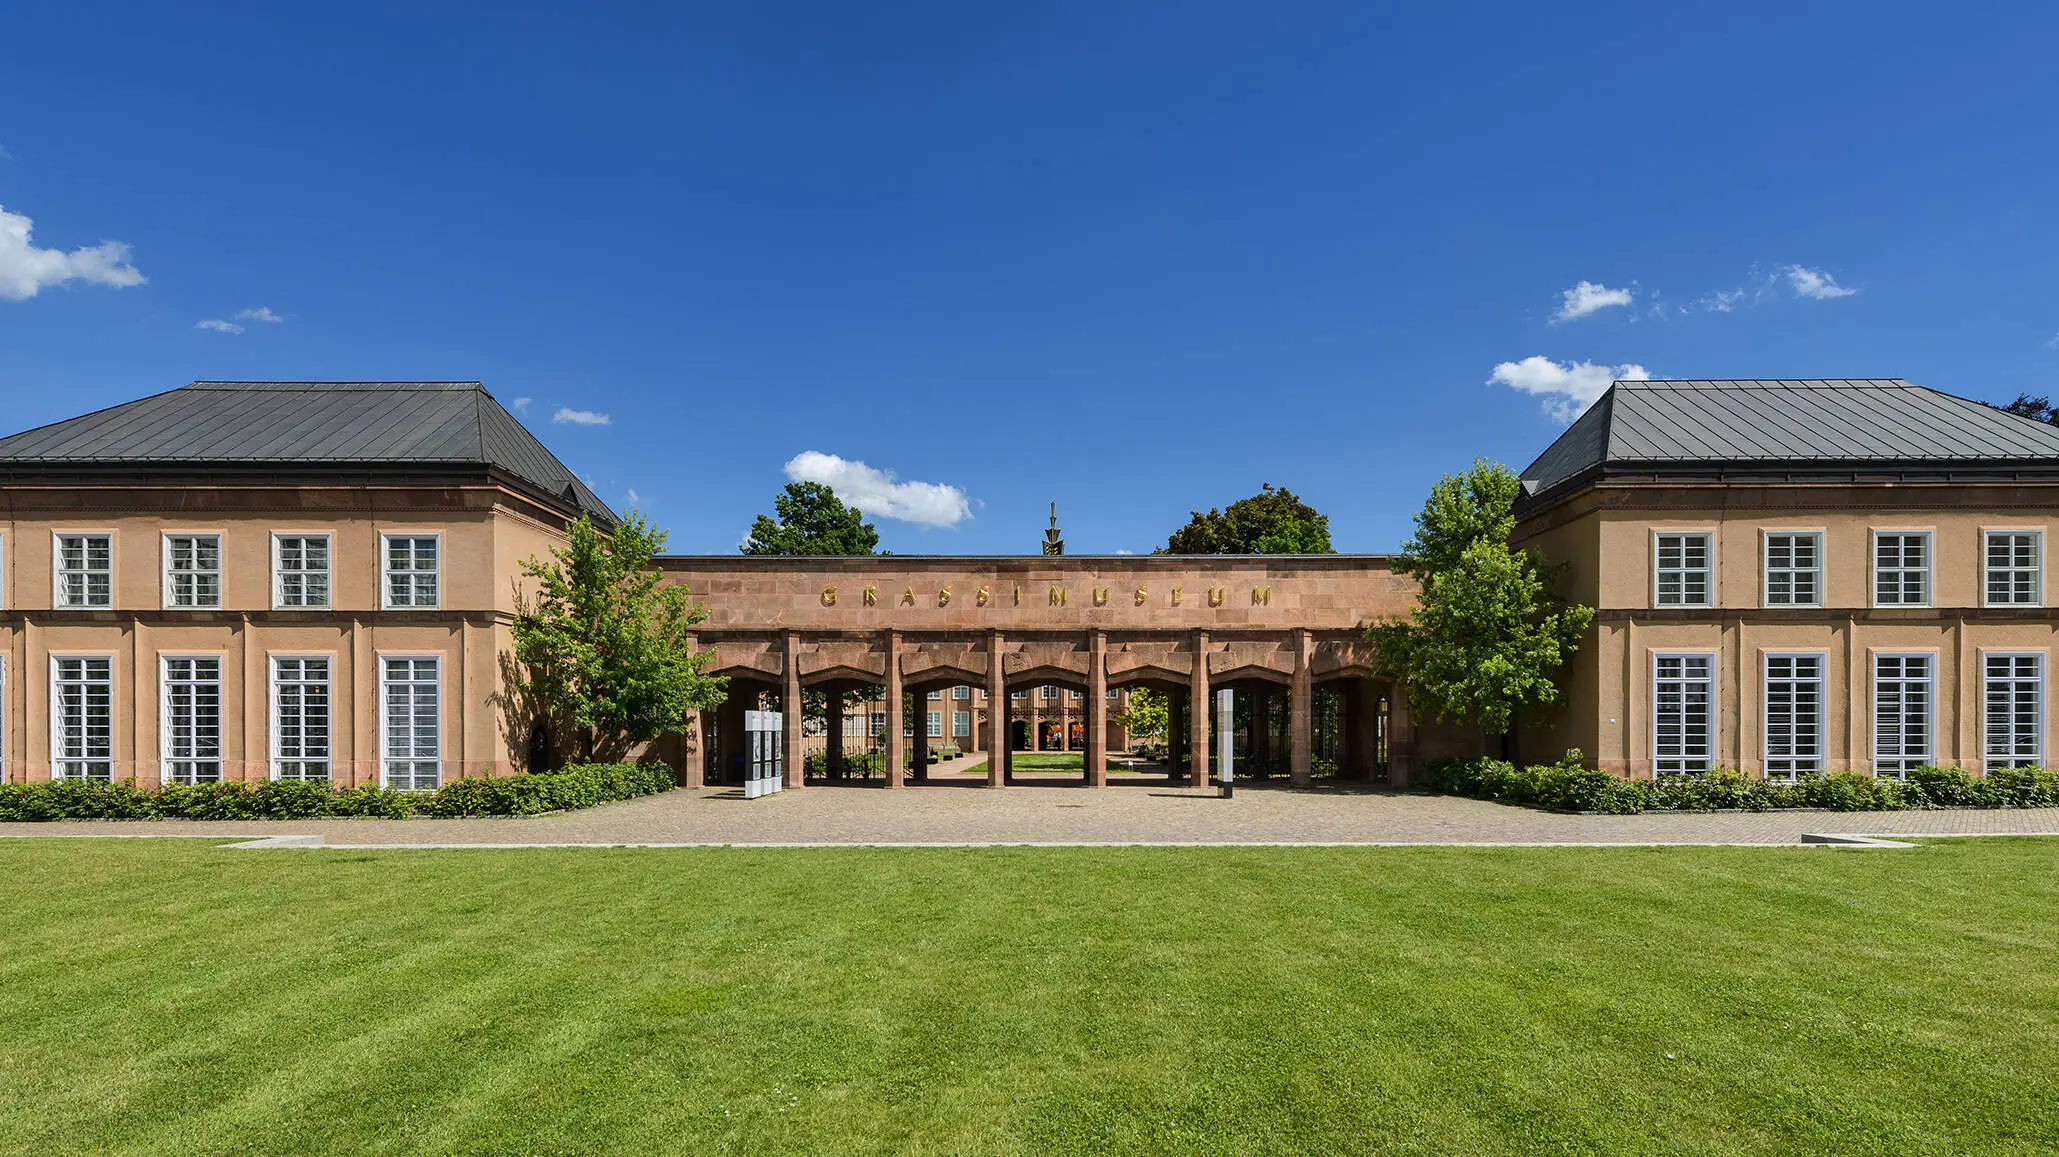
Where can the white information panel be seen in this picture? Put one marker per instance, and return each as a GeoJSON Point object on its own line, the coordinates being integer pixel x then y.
{"type": "Point", "coordinates": [1226, 738]}
{"type": "Point", "coordinates": [765, 753]}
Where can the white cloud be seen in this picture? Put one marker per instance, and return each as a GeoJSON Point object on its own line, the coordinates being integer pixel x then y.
{"type": "Point", "coordinates": [1814, 283]}
{"type": "Point", "coordinates": [1567, 389]}
{"type": "Point", "coordinates": [1721, 300]}
{"type": "Point", "coordinates": [4, 154]}
{"type": "Point", "coordinates": [634, 497]}
{"type": "Point", "coordinates": [1586, 298]}
{"type": "Point", "coordinates": [26, 270]}
{"type": "Point", "coordinates": [580, 417]}
{"type": "Point", "coordinates": [262, 313]}
{"type": "Point", "coordinates": [876, 493]}
{"type": "Point", "coordinates": [218, 325]}
{"type": "Point", "coordinates": [522, 405]}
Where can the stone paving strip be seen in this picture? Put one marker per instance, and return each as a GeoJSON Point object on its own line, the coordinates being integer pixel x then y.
{"type": "Point", "coordinates": [1053, 811]}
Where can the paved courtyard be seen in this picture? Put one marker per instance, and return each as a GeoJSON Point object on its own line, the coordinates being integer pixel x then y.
{"type": "Point", "coordinates": [1052, 810]}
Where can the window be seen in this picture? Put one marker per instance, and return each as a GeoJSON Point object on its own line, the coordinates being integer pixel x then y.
{"type": "Point", "coordinates": [1794, 570]}
{"type": "Point", "coordinates": [1794, 716]}
{"type": "Point", "coordinates": [191, 738]}
{"type": "Point", "coordinates": [961, 691]}
{"type": "Point", "coordinates": [933, 724]}
{"type": "Point", "coordinates": [82, 717]}
{"type": "Point", "coordinates": [1901, 713]}
{"type": "Point", "coordinates": [1681, 694]}
{"type": "Point", "coordinates": [879, 723]}
{"type": "Point", "coordinates": [411, 561]}
{"type": "Point", "coordinates": [937, 694]}
{"type": "Point", "coordinates": [300, 718]}
{"type": "Point", "coordinates": [1047, 691]}
{"type": "Point", "coordinates": [855, 726]}
{"type": "Point", "coordinates": [1114, 693]}
{"type": "Point", "coordinates": [1018, 694]}
{"type": "Point", "coordinates": [1901, 570]}
{"type": "Point", "coordinates": [961, 724]}
{"type": "Point", "coordinates": [85, 570]}
{"type": "Point", "coordinates": [193, 570]}
{"type": "Point", "coordinates": [2014, 578]}
{"type": "Point", "coordinates": [300, 570]}
{"type": "Point", "coordinates": [2013, 734]}
{"type": "Point", "coordinates": [412, 723]}
{"type": "Point", "coordinates": [1683, 570]}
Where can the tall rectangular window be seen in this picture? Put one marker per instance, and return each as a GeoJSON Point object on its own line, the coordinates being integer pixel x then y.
{"type": "Point", "coordinates": [1047, 691]}
{"type": "Point", "coordinates": [1683, 578]}
{"type": "Point", "coordinates": [961, 691]}
{"type": "Point", "coordinates": [1794, 716]}
{"type": "Point", "coordinates": [1681, 696]}
{"type": "Point", "coordinates": [300, 717]}
{"type": "Point", "coordinates": [300, 570]}
{"type": "Point", "coordinates": [1902, 699]}
{"type": "Point", "coordinates": [413, 722]}
{"type": "Point", "coordinates": [2014, 578]}
{"type": "Point", "coordinates": [191, 738]}
{"type": "Point", "coordinates": [85, 570]}
{"type": "Point", "coordinates": [82, 717]}
{"type": "Point", "coordinates": [879, 723]}
{"type": "Point", "coordinates": [2013, 729]}
{"type": "Point", "coordinates": [411, 570]}
{"type": "Point", "coordinates": [1794, 570]}
{"type": "Point", "coordinates": [961, 724]}
{"type": "Point", "coordinates": [193, 571]}
{"type": "Point", "coordinates": [933, 724]}
{"type": "Point", "coordinates": [1901, 570]}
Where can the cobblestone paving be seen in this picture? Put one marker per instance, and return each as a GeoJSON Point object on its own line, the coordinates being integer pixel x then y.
{"type": "Point", "coordinates": [1053, 810]}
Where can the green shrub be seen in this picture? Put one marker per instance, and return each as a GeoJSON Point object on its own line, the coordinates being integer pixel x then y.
{"type": "Point", "coordinates": [1851, 791]}
{"type": "Point", "coordinates": [2023, 787]}
{"type": "Point", "coordinates": [370, 801]}
{"type": "Point", "coordinates": [1946, 787]}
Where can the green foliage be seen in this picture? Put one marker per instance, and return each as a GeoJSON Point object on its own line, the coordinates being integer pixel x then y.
{"type": "Point", "coordinates": [811, 520]}
{"type": "Point", "coordinates": [1569, 786]}
{"type": "Point", "coordinates": [603, 649]}
{"type": "Point", "coordinates": [1487, 638]}
{"type": "Point", "coordinates": [1146, 716]}
{"type": "Point", "coordinates": [1273, 521]}
{"type": "Point", "coordinates": [862, 764]}
{"type": "Point", "coordinates": [568, 788]}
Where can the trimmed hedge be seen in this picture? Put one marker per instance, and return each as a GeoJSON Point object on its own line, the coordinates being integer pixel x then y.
{"type": "Point", "coordinates": [569, 788]}
{"type": "Point", "coordinates": [1568, 786]}
{"type": "Point", "coordinates": [861, 764]}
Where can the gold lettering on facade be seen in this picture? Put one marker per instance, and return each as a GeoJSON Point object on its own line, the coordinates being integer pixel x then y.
{"type": "Point", "coordinates": [1018, 594]}
{"type": "Point", "coordinates": [871, 596]}
{"type": "Point", "coordinates": [1175, 596]}
{"type": "Point", "coordinates": [1057, 596]}
{"type": "Point", "coordinates": [1261, 596]}
{"type": "Point", "coordinates": [1100, 596]}
{"type": "Point", "coordinates": [908, 597]}
{"type": "Point", "coordinates": [944, 596]}
{"type": "Point", "coordinates": [1216, 596]}
{"type": "Point", "coordinates": [828, 596]}
{"type": "Point", "coordinates": [1142, 595]}
{"type": "Point", "coordinates": [981, 598]}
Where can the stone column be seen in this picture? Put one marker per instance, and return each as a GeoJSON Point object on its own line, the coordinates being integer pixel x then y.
{"type": "Point", "coordinates": [1401, 738]}
{"type": "Point", "coordinates": [1197, 715]}
{"type": "Point", "coordinates": [790, 707]}
{"type": "Point", "coordinates": [694, 751]}
{"type": "Point", "coordinates": [897, 743]}
{"type": "Point", "coordinates": [997, 713]}
{"type": "Point", "coordinates": [1097, 709]}
{"type": "Point", "coordinates": [1301, 713]}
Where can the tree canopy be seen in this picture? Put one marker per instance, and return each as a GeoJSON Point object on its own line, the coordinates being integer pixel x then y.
{"type": "Point", "coordinates": [1488, 637]}
{"type": "Point", "coordinates": [603, 648]}
{"type": "Point", "coordinates": [2037, 408]}
{"type": "Point", "coordinates": [811, 519]}
{"type": "Point", "coordinates": [1272, 521]}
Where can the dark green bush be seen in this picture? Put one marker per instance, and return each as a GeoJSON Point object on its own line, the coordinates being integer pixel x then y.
{"type": "Point", "coordinates": [2023, 787]}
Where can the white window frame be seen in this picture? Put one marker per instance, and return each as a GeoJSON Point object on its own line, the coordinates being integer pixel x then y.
{"type": "Point", "coordinates": [166, 758]}
{"type": "Point", "coordinates": [1707, 570]}
{"type": "Point", "coordinates": [1873, 568]}
{"type": "Point", "coordinates": [4, 571]}
{"type": "Point", "coordinates": [386, 757]}
{"type": "Point", "coordinates": [936, 694]}
{"type": "Point", "coordinates": [1904, 761]}
{"type": "Point", "coordinates": [57, 572]}
{"type": "Point", "coordinates": [386, 571]}
{"type": "Point", "coordinates": [876, 723]}
{"type": "Point", "coordinates": [168, 600]}
{"type": "Point", "coordinates": [933, 724]}
{"type": "Point", "coordinates": [961, 691]}
{"type": "Point", "coordinates": [1710, 712]}
{"type": "Point", "coordinates": [272, 718]}
{"type": "Point", "coordinates": [1019, 693]}
{"type": "Point", "coordinates": [57, 757]}
{"type": "Point", "coordinates": [2036, 568]}
{"type": "Point", "coordinates": [1794, 762]}
{"type": "Point", "coordinates": [2036, 758]}
{"type": "Point", "coordinates": [1767, 570]}
{"type": "Point", "coordinates": [961, 724]}
{"type": "Point", "coordinates": [1047, 692]}
{"type": "Point", "coordinates": [328, 571]}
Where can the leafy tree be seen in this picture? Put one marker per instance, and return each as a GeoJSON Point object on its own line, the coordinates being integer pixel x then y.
{"type": "Point", "coordinates": [811, 520]}
{"type": "Point", "coordinates": [2037, 409]}
{"type": "Point", "coordinates": [603, 647]}
{"type": "Point", "coordinates": [1272, 521]}
{"type": "Point", "coordinates": [1147, 715]}
{"type": "Point", "coordinates": [1487, 637]}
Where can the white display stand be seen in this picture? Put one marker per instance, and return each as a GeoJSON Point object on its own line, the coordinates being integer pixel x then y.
{"type": "Point", "coordinates": [765, 745]}
{"type": "Point", "coordinates": [1226, 739]}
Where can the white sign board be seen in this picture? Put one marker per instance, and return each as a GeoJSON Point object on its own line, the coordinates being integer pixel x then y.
{"type": "Point", "coordinates": [764, 753]}
{"type": "Point", "coordinates": [1226, 736]}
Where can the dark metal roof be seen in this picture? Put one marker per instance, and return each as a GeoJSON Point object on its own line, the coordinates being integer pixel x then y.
{"type": "Point", "coordinates": [358, 424]}
{"type": "Point", "coordinates": [1826, 423]}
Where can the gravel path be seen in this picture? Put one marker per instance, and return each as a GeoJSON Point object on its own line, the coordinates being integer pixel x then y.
{"type": "Point", "coordinates": [1053, 810]}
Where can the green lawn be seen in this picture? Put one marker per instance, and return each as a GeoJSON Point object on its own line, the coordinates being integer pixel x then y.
{"type": "Point", "coordinates": [1039, 761]}
{"type": "Point", "coordinates": [172, 997]}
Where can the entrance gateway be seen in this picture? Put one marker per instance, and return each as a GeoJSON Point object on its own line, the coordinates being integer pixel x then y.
{"type": "Point", "coordinates": [1284, 626]}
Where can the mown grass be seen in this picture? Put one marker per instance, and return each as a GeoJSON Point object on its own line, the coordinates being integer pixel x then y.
{"type": "Point", "coordinates": [1040, 762]}
{"type": "Point", "coordinates": [173, 997]}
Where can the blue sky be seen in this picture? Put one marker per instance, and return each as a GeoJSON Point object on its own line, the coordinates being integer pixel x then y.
{"type": "Point", "coordinates": [1134, 258]}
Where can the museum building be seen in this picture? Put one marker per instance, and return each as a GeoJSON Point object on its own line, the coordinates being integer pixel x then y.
{"type": "Point", "coordinates": [317, 580]}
